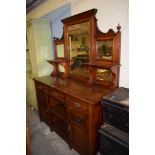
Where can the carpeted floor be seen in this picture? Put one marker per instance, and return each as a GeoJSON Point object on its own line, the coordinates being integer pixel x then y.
{"type": "Point", "coordinates": [42, 140]}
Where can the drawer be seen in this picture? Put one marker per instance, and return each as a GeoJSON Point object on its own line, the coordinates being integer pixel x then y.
{"type": "Point", "coordinates": [40, 86]}
{"type": "Point", "coordinates": [77, 104]}
{"type": "Point", "coordinates": [79, 118]}
{"type": "Point", "coordinates": [57, 94]}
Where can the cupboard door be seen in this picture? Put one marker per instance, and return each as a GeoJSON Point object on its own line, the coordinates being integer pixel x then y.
{"type": "Point", "coordinates": [78, 137]}
{"type": "Point", "coordinates": [42, 105]}
{"type": "Point", "coordinates": [78, 128]}
{"type": "Point", "coordinates": [78, 131]}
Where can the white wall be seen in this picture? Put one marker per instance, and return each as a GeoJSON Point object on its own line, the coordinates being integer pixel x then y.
{"type": "Point", "coordinates": [110, 13]}
{"type": "Point", "coordinates": [45, 7]}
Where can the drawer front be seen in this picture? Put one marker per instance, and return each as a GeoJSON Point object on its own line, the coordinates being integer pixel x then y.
{"type": "Point", "coordinates": [78, 105]}
{"type": "Point", "coordinates": [57, 94]}
{"type": "Point", "coordinates": [40, 86]}
{"type": "Point", "coordinates": [80, 118]}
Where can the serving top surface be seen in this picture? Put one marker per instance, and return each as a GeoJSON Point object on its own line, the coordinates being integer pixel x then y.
{"type": "Point", "coordinates": [90, 94]}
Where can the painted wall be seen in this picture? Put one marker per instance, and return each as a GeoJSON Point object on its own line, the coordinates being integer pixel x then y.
{"type": "Point", "coordinates": [45, 7]}
{"type": "Point", "coordinates": [110, 13]}
{"type": "Point", "coordinates": [55, 19]}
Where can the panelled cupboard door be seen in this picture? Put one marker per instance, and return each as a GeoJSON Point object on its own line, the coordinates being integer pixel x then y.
{"type": "Point", "coordinates": [78, 137]}
{"type": "Point", "coordinates": [42, 105]}
{"type": "Point", "coordinates": [78, 131]}
{"type": "Point", "coordinates": [78, 125]}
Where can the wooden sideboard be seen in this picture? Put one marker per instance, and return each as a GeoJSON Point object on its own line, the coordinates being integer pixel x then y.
{"type": "Point", "coordinates": [72, 109]}
{"type": "Point", "coordinates": [69, 101]}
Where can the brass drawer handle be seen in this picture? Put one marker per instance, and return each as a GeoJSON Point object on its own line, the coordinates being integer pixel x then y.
{"type": "Point", "coordinates": [77, 105]}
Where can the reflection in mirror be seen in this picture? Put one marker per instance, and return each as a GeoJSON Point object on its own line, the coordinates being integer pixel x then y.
{"type": "Point", "coordinates": [103, 75]}
{"type": "Point", "coordinates": [60, 50]}
{"type": "Point", "coordinates": [105, 49]}
{"type": "Point", "coordinates": [79, 47]}
{"type": "Point", "coordinates": [61, 68]}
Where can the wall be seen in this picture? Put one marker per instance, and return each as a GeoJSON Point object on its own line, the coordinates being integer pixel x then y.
{"type": "Point", "coordinates": [55, 17]}
{"type": "Point", "coordinates": [45, 7]}
{"type": "Point", "coordinates": [110, 13]}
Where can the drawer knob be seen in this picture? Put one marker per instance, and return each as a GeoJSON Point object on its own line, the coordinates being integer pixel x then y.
{"type": "Point", "coordinates": [77, 105]}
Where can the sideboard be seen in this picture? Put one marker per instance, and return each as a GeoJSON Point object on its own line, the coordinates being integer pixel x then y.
{"type": "Point", "coordinates": [69, 100]}
{"type": "Point", "coordinates": [72, 109]}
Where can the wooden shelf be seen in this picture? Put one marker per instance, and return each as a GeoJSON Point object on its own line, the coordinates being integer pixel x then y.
{"type": "Point", "coordinates": [64, 62]}
{"type": "Point", "coordinates": [113, 68]}
{"type": "Point", "coordinates": [103, 66]}
{"type": "Point", "coordinates": [59, 61]}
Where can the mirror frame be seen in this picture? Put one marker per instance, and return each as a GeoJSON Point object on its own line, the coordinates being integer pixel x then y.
{"type": "Point", "coordinates": [58, 41]}
{"type": "Point", "coordinates": [95, 35]}
{"type": "Point", "coordinates": [104, 39]}
{"type": "Point", "coordinates": [110, 35]}
{"type": "Point", "coordinates": [76, 19]}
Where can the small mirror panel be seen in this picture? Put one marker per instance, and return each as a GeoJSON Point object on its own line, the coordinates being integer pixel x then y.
{"type": "Point", "coordinates": [105, 50]}
{"type": "Point", "coordinates": [61, 68]}
{"type": "Point", "coordinates": [60, 50]}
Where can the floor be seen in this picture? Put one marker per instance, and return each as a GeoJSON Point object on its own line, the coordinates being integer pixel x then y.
{"type": "Point", "coordinates": [42, 140]}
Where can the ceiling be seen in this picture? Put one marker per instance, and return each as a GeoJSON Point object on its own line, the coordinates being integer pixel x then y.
{"type": "Point", "coordinates": [32, 3]}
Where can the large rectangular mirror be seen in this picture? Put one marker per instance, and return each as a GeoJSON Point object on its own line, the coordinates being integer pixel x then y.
{"type": "Point", "coordinates": [79, 47]}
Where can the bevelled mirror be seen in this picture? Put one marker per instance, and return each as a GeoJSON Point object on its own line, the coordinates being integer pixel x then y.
{"type": "Point", "coordinates": [60, 50]}
{"type": "Point", "coordinates": [79, 47]}
{"type": "Point", "coordinates": [104, 49]}
{"type": "Point", "coordinates": [60, 55]}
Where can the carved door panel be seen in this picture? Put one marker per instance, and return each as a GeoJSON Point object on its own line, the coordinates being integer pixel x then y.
{"type": "Point", "coordinates": [42, 105]}
{"type": "Point", "coordinates": [78, 125]}
{"type": "Point", "coordinates": [78, 137]}
{"type": "Point", "coordinates": [78, 130]}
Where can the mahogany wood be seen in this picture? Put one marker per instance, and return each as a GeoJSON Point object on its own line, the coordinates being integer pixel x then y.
{"type": "Point", "coordinates": [64, 62]}
{"type": "Point", "coordinates": [111, 67]}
